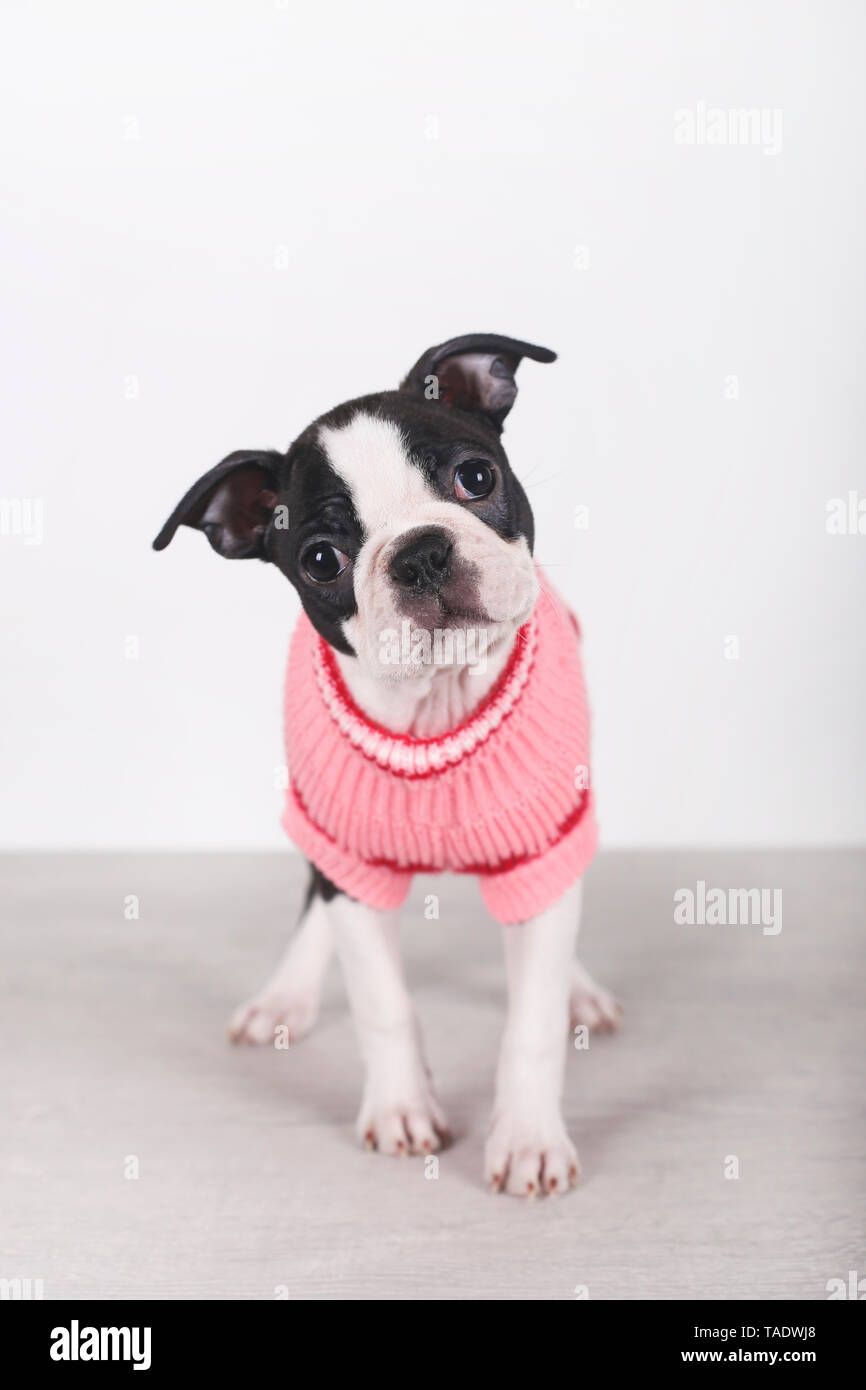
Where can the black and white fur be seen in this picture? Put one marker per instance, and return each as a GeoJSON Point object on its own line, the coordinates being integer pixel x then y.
{"type": "Point", "coordinates": [403, 506]}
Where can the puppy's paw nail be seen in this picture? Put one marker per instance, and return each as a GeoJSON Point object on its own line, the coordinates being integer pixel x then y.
{"type": "Point", "coordinates": [409, 1127]}
{"type": "Point", "coordinates": [530, 1192]}
{"type": "Point", "coordinates": [496, 1183]}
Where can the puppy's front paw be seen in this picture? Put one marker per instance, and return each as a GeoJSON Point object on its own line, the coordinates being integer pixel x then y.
{"type": "Point", "coordinates": [592, 1005]}
{"type": "Point", "coordinates": [415, 1126]}
{"type": "Point", "coordinates": [527, 1157]}
{"type": "Point", "coordinates": [258, 1019]}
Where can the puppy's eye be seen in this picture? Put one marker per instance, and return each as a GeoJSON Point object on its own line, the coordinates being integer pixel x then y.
{"type": "Point", "coordinates": [473, 479]}
{"type": "Point", "coordinates": [323, 563]}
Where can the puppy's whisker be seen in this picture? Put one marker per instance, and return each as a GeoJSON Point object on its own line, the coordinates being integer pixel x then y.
{"type": "Point", "coordinates": [549, 479]}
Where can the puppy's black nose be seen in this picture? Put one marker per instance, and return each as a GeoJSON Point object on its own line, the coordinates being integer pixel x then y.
{"type": "Point", "coordinates": [423, 561]}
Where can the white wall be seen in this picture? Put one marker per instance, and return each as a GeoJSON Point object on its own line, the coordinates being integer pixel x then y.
{"type": "Point", "coordinates": [421, 172]}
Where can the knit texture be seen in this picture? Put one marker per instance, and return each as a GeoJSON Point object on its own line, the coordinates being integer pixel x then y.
{"type": "Point", "coordinates": [504, 796]}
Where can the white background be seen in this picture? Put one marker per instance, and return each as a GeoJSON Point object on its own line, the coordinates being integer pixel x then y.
{"type": "Point", "coordinates": [256, 210]}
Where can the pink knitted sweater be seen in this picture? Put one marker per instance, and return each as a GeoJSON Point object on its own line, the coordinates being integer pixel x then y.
{"type": "Point", "coordinates": [504, 796]}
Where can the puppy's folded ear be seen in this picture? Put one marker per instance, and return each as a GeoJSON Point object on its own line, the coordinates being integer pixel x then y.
{"type": "Point", "coordinates": [233, 505]}
{"type": "Point", "coordinates": [475, 373]}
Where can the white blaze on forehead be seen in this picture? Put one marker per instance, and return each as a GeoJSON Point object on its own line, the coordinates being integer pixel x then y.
{"type": "Point", "coordinates": [373, 460]}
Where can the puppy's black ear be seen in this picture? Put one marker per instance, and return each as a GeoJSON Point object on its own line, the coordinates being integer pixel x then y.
{"type": "Point", "coordinates": [233, 505]}
{"type": "Point", "coordinates": [475, 372]}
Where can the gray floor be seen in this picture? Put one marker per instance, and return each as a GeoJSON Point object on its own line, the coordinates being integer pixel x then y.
{"type": "Point", "coordinates": [735, 1043]}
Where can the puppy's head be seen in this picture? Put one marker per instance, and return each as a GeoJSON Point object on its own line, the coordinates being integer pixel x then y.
{"type": "Point", "coordinates": [397, 513]}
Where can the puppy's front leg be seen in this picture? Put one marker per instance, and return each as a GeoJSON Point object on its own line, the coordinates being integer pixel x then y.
{"type": "Point", "coordinates": [528, 1150]}
{"type": "Point", "coordinates": [400, 1113]}
{"type": "Point", "coordinates": [291, 997]}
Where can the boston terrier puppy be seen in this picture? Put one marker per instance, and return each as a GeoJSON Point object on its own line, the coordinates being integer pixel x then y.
{"type": "Point", "coordinates": [435, 719]}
